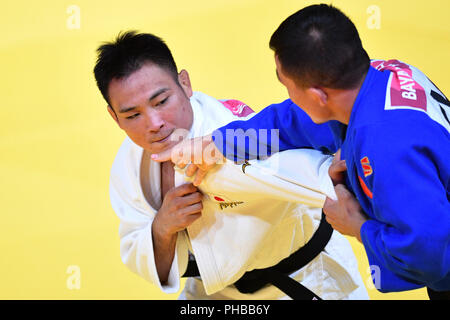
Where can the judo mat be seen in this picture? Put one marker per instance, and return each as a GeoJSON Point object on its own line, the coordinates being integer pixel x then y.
{"type": "Point", "coordinates": [59, 236]}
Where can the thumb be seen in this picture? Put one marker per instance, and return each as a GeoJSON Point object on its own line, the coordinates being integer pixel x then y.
{"type": "Point", "coordinates": [340, 166]}
{"type": "Point", "coordinates": [328, 206]}
{"type": "Point", "coordinates": [337, 168]}
{"type": "Point", "coordinates": [336, 171]}
{"type": "Point", "coordinates": [342, 192]}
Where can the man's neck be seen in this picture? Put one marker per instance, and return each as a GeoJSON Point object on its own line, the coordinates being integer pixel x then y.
{"type": "Point", "coordinates": [342, 102]}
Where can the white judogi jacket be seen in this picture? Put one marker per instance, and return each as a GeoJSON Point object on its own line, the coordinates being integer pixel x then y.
{"type": "Point", "coordinates": [250, 220]}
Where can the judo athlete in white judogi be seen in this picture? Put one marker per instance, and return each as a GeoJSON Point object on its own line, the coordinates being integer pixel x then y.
{"type": "Point", "coordinates": [252, 216]}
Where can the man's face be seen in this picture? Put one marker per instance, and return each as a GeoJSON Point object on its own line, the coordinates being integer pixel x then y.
{"type": "Point", "coordinates": [149, 105]}
{"type": "Point", "coordinates": [311, 100]}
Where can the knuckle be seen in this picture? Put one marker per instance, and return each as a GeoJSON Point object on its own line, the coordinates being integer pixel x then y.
{"type": "Point", "coordinates": [345, 194]}
{"type": "Point", "coordinates": [196, 208]}
{"type": "Point", "coordinates": [177, 204]}
{"type": "Point", "coordinates": [184, 222]}
{"type": "Point", "coordinates": [199, 196]}
{"type": "Point", "coordinates": [169, 195]}
{"type": "Point", "coordinates": [186, 188]}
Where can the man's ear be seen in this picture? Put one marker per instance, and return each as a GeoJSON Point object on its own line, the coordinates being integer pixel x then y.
{"type": "Point", "coordinates": [185, 82]}
{"type": "Point", "coordinates": [113, 115]}
{"type": "Point", "coordinates": [319, 95]}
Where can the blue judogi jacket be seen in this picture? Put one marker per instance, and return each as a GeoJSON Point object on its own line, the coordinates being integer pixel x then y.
{"type": "Point", "coordinates": [397, 151]}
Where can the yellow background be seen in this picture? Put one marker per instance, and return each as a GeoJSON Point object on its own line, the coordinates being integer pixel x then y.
{"type": "Point", "coordinates": [58, 142]}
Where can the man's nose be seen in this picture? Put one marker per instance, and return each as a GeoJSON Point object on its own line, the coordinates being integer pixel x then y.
{"type": "Point", "coordinates": [154, 121]}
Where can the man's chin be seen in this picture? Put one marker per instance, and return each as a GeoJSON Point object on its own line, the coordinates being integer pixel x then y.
{"type": "Point", "coordinates": [158, 147]}
{"type": "Point", "coordinates": [317, 120]}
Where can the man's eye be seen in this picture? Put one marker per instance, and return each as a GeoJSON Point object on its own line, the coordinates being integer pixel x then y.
{"type": "Point", "coordinates": [162, 101]}
{"type": "Point", "coordinates": [133, 116]}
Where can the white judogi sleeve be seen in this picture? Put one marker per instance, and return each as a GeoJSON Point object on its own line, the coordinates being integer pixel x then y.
{"type": "Point", "coordinates": [297, 176]}
{"type": "Point", "coordinates": [136, 218]}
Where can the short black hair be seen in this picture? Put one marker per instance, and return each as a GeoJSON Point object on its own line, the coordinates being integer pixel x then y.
{"type": "Point", "coordinates": [127, 54]}
{"type": "Point", "coordinates": [320, 46]}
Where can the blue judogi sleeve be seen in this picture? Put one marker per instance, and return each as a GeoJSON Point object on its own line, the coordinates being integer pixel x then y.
{"type": "Point", "coordinates": [277, 127]}
{"type": "Point", "coordinates": [408, 235]}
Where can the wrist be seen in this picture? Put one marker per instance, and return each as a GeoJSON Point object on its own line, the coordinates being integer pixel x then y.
{"type": "Point", "coordinates": [161, 234]}
{"type": "Point", "coordinates": [358, 234]}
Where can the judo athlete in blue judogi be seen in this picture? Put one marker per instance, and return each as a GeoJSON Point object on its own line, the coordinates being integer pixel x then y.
{"type": "Point", "coordinates": [396, 145]}
{"type": "Point", "coordinates": [392, 126]}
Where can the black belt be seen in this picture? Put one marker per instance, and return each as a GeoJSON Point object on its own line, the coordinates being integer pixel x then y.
{"type": "Point", "coordinates": [278, 275]}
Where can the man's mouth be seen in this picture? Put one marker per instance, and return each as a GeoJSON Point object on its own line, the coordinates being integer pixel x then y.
{"type": "Point", "coordinates": [162, 140]}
